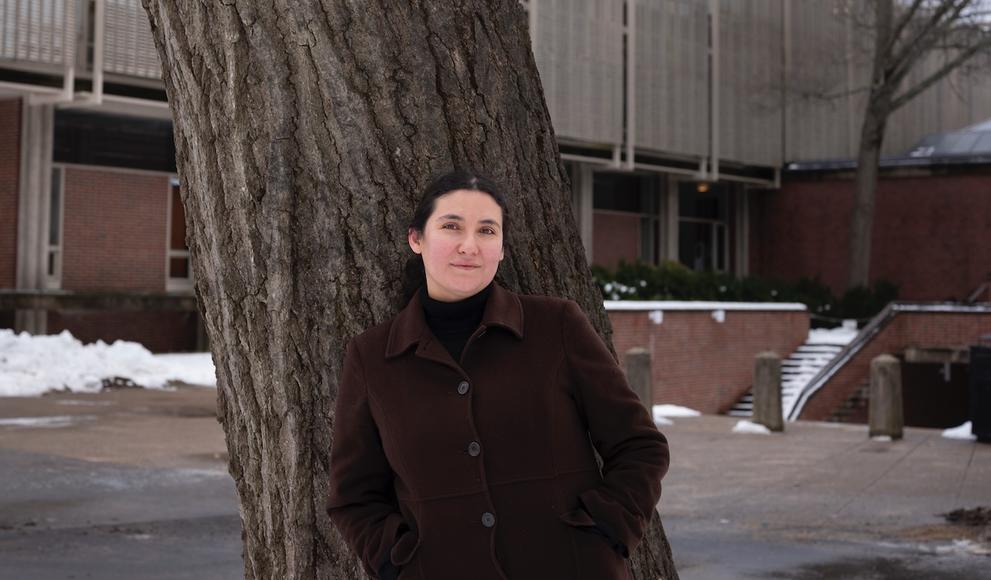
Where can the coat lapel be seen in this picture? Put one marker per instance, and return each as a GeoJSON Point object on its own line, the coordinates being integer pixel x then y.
{"type": "Point", "coordinates": [503, 309]}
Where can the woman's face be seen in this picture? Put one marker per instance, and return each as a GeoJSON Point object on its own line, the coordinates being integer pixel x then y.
{"type": "Point", "coordinates": [461, 244]}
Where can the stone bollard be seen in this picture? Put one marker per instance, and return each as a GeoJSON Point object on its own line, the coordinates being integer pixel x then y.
{"type": "Point", "coordinates": [886, 416]}
{"type": "Point", "coordinates": [767, 391]}
{"type": "Point", "coordinates": [639, 376]}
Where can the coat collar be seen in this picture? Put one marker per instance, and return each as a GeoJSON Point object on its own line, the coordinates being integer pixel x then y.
{"type": "Point", "coordinates": [503, 308]}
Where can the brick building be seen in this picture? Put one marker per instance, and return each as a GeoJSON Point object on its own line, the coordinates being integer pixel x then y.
{"type": "Point", "coordinates": [674, 120]}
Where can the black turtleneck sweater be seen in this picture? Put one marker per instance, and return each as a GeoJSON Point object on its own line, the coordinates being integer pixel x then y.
{"type": "Point", "coordinates": [454, 322]}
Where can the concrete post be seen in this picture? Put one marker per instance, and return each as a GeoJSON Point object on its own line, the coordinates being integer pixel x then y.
{"type": "Point", "coordinates": [767, 391]}
{"type": "Point", "coordinates": [639, 376]}
{"type": "Point", "coordinates": [886, 416]}
{"type": "Point", "coordinates": [33, 211]}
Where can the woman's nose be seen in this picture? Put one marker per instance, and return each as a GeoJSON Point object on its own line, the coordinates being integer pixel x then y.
{"type": "Point", "coordinates": [468, 246]}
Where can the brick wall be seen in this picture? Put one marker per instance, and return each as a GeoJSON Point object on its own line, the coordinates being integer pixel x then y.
{"type": "Point", "coordinates": [930, 233]}
{"type": "Point", "coordinates": [923, 329]}
{"type": "Point", "coordinates": [701, 363]}
{"type": "Point", "coordinates": [615, 236]}
{"type": "Point", "coordinates": [157, 331]}
{"type": "Point", "coordinates": [114, 236]}
{"type": "Point", "coordinates": [10, 143]}
{"type": "Point", "coordinates": [114, 230]}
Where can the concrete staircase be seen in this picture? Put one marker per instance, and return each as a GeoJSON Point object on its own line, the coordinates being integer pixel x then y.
{"type": "Point", "coordinates": [796, 371]}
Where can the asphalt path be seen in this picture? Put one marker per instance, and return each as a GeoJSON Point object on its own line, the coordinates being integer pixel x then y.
{"type": "Point", "coordinates": [133, 484]}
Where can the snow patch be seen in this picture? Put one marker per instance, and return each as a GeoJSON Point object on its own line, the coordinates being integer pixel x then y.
{"type": "Point", "coordinates": [33, 365]}
{"type": "Point", "coordinates": [964, 547]}
{"type": "Point", "coordinates": [745, 426]}
{"type": "Point", "coordinates": [839, 335]}
{"type": "Point", "coordinates": [674, 411]}
{"type": "Point", "coordinates": [882, 438]}
{"type": "Point", "coordinates": [45, 422]}
{"type": "Point", "coordinates": [964, 432]}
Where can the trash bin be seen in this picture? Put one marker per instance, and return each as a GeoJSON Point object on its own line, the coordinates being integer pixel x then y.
{"type": "Point", "coordinates": [980, 392]}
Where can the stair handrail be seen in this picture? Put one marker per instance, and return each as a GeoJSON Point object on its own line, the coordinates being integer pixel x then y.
{"type": "Point", "coordinates": [866, 334]}
{"type": "Point", "coordinates": [873, 327]}
{"type": "Point", "coordinates": [982, 288]}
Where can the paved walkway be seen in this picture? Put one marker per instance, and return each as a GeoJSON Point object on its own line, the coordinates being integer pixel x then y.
{"type": "Point", "coordinates": [133, 484]}
{"type": "Point", "coordinates": [801, 503]}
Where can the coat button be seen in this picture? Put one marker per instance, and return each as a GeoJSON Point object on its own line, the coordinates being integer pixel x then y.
{"type": "Point", "coordinates": [474, 449]}
{"type": "Point", "coordinates": [462, 387]}
{"type": "Point", "coordinates": [488, 520]}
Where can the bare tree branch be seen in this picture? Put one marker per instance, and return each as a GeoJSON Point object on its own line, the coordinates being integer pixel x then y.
{"type": "Point", "coordinates": [932, 79]}
{"type": "Point", "coordinates": [905, 19]}
{"type": "Point", "coordinates": [932, 29]}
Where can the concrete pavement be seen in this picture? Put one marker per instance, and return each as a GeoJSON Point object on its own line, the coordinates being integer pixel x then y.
{"type": "Point", "coordinates": [133, 484]}
{"type": "Point", "coordinates": [808, 502]}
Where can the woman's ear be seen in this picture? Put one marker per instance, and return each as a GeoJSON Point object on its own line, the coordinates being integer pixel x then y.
{"type": "Point", "coordinates": [414, 240]}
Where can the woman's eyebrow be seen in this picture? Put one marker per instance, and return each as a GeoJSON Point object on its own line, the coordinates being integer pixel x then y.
{"type": "Point", "coordinates": [456, 217]}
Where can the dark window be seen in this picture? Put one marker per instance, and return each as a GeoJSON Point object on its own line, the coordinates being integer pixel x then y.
{"type": "Point", "coordinates": [702, 226]}
{"type": "Point", "coordinates": [620, 192]}
{"type": "Point", "coordinates": [88, 138]}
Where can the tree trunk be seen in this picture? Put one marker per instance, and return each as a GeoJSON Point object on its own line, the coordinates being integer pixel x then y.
{"type": "Point", "coordinates": [865, 186]}
{"type": "Point", "coordinates": [304, 131]}
{"type": "Point", "coordinates": [869, 151]}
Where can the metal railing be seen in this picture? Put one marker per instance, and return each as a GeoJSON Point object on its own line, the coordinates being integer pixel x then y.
{"type": "Point", "coordinates": [873, 328]}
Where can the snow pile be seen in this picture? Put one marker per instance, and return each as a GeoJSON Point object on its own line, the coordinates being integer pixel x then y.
{"type": "Point", "coordinates": [964, 432]}
{"type": "Point", "coordinates": [839, 335]}
{"type": "Point", "coordinates": [674, 411]}
{"type": "Point", "coordinates": [32, 365]}
{"type": "Point", "coordinates": [744, 426]}
{"type": "Point", "coordinates": [662, 412]}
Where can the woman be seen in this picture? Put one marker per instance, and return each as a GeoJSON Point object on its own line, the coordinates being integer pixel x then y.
{"type": "Point", "coordinates": [462, 435]}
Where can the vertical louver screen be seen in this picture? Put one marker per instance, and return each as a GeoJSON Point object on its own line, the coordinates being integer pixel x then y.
{"type": "Point", "coordinates": [128, 45]}
{"type": "Point", "coordinates": [34, 31]}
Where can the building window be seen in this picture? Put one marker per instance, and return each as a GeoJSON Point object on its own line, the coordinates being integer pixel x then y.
{"type": "Point", "coordinates": [703, 243]}
{"type": "Point", "coordinates": [635, 196]}
{"type": "Point", "coordinates": [53, 262]}
{"type": "Point", "coordinates": [180, 272]}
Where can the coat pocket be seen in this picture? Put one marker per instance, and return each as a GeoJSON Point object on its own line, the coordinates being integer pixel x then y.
{"type": "Point", "coordinates": [595, 557]}
{"type": "Point", "coordinates": [405, 548]}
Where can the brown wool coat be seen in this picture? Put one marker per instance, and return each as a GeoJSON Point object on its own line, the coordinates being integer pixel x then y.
{"type": "Point", "coordinates": [482, 468]}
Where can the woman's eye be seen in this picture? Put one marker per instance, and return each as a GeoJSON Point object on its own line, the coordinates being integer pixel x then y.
{"type": "Point", "coordinates": [488, 231]}
{"type": "Point", "coordinates": [450, 226]}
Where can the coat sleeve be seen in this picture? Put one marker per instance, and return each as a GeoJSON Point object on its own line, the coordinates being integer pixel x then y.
{"type": "Point", "coordinates": [362, 502]}
{"type": "Point", "coordinates": [634, 453]}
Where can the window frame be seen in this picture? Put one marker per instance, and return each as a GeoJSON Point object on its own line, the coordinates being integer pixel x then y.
{"type": "Point", "coordinates": [53, 279]}
{"type": "Point", "coordinates": [175, 284]}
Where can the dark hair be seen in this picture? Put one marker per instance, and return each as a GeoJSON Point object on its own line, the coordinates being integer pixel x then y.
{"type": "Point", "coordinates": [415, 276]}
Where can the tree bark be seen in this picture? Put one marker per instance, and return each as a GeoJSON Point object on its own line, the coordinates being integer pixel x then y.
{"type": "Point", "coordinates": [869, 151]}
{"type": "Point", "coordinates": [304, 131]}
{"type": "Point", "coordinates": [865, 187]}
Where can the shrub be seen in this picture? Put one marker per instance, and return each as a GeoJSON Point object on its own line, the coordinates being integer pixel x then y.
{"type": "Point", "coordinates": [673, 281]}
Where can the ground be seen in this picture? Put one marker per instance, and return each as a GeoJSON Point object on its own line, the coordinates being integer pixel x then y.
{"type": "Point", "coordinates": [133, 483]}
